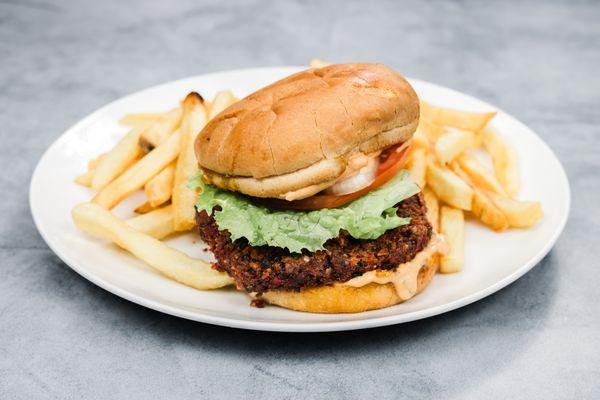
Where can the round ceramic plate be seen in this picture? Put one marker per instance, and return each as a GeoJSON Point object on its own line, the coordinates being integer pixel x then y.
{"type": "Point", "coordinates": [488, 266]}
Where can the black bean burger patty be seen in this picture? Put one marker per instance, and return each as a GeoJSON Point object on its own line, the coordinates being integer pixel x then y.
{"type": "Point", "coordinates": [264, 268]}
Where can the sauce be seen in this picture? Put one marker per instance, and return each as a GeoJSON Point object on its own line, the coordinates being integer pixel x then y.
{"type": "Point", "coordinates": [404, 278]}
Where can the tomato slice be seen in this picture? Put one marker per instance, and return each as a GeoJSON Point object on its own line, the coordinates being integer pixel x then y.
{"type": "Point", "coordinates": [395, 158]}
{"type": "Point", "coordinates": [390, 157]}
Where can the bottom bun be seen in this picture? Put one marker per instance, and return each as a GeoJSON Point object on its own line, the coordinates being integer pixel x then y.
{"type": "Point", "coordinates": [340, 298]}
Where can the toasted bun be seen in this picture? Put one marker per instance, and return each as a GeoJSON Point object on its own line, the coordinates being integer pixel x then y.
{"type": "Point", "coordinates": [339, 298]}
{"type": "Point", "coordinates": [300, 132]}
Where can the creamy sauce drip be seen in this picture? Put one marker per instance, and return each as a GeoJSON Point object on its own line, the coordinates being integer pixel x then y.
{"type": "Point", "coordinates": [404, 278]}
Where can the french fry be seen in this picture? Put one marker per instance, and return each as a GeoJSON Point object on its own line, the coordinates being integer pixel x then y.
{"type": "Point", "coordinates": [184, 198]}
{"type": "Point", "coordinates": [430, 130]}
{"type": "Point", "coordinates": [433, 208]}
{"type": "Point", "coordinates": [451, 144]}
{"type": "Point", "coordinates": [159, 189]}
{"type": "Point", "coordinates": [157, 223]}
{"type": "Point", "coordinates": [318, 63]}
{"type": "Point", "coordinates": [417, 165]}
{"type": "Point", "coordinates": [452, 226]}
{"type": "Point", "coordinates": [174, 264]}
{"type": "Point", "coordinates": [420, 140]}
{"type": "Point", "coordinates": [479, 174]}
{"type": "Point", "coordinates": [520, 214]}
{"type": "Point", "coordinates": [468, 121]}
{"type": "Point", "coordinates": [142, 119]}
{"type": "Point", "coordinates": [482, 206]}
{"type": "Point", "coordinates": [118, 159]}
{"type": "Point", "coordinates": [85, 179]}
{"type": "Point", "coordinates": [94, 162]}
{"type": "Point", "coordinates": [477, 140]}
{"type": "Point", "coordinates": [222, 100]}
{"type": "Point", "coordinates": [144, 208]}
{"type": "Point", "coordinates": [159, 131]}
{"type": "Point", "coordinates": [504, 158]}
{"type": "Point", "coordinates": [140, 173]}
{"type": "Point", "coordinates": [487, 212]}
{"type": "Point", "coordinates": [448, 187]}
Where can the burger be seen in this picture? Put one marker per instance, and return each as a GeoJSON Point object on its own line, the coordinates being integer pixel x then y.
{"type": "Point", "coordinates": [303, 196]}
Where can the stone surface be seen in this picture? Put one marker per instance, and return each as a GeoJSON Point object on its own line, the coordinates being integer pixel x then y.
{"type": "Point", "coordinates": [62, 337]}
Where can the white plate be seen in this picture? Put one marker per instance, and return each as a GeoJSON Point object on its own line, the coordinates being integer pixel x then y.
{"type": "Point", "coordinates": [492, 260]}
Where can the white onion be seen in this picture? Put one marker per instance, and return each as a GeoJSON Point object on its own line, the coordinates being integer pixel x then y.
{"type": "Point", "coordinates": [363, 178]}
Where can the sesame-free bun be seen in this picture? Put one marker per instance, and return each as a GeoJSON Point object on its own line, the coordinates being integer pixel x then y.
{"type": "Point", "coordinates": [339, 298]}
{"type": "Point", "coordinates": [298, 133]}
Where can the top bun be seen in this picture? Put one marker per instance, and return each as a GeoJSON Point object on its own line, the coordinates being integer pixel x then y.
{"type": "Point", "coordinates": [297, 134]}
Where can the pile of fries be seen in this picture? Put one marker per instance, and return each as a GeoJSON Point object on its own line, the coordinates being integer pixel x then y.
{"type": "Point", "coordinates": [443, 162]}
{"type": "Point", "coordinates": [156, 155]}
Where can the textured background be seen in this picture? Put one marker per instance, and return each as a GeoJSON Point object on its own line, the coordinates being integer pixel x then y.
{"type": "Point", "coordinates": [62, 337]}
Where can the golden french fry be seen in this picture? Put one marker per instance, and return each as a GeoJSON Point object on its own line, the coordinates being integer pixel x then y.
{"type": "Point", "coordinates": [140, 119]}
{"type": "Point", "coordinates": [487, 212]}
{"type": "Point", "coordinates": [452, 226]}
{"type": "Point", "coordinates": [477, 140]}
{"type": "Point", "coordinates": [184, 198]}
{"type": "Point", "coordinates": [144, 208]}
{"type": "Point", "coordinates": [468, 121]}
{"type": "Point", "coordinates": [433, 208]}
{"type": "Point", "coordinates": [139, 173]}
{"type": "Point", "coordinates": [94, 162]}
{"type": "Point", "coordinates": [222, 100]}
{"type": "Point", "coordinates": [430, 130]}
{"type": "Point", "coordinates": [520, 214]}
{"type": "Point", "coordinates": [159, 131]}
{"type": "Point", "coordinates": [479, 174]}
{"type": "Point", "coordinates": [157, 223]}
{"type": "Point", "coordinates": [448, 187]}
{"type": "Point", "coordinates": [504, 158]}
{"type": "Point", "coordinates": [85, 179]}
{"type": "Point", "coordinates": [118, 159]}
{"type": "Point", "coordinates": [159, 189]}
{"type": "Point", "coordinates": [420, 140]}
{"type": "Point", "coordinates": [482, 206]}
{"type": "Point", "coordinates": [318, 63]}
{"type": "Point", "coordinates": [417, 165]}
{"type": "Point", "coordinates": [174, 264]}
{"type": "Point", "coordinates": [451, 144]}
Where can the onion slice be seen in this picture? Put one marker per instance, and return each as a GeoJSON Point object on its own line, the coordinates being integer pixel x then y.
{"type": "Point", "coordinates": [363, 178]}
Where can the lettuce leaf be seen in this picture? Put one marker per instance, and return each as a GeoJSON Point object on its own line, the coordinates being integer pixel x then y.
{"type": "Point", "coordinates": [367, 217]}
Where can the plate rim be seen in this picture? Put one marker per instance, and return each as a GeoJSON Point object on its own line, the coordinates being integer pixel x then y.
{"type": "Point", "coordinates": [294, 326]}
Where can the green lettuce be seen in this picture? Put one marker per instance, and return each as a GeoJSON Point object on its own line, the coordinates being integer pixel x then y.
{"type": "Point", "coordinates": [367, 217]}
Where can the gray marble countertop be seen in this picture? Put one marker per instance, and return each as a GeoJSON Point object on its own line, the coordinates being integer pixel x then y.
{"type": "Point", "coordinates": [62, 337]}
